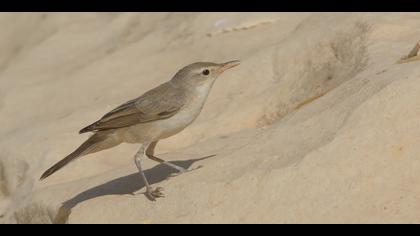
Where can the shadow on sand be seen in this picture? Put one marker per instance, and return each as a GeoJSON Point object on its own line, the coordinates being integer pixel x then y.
{"type": "Point", "coordinates": [129, 184]}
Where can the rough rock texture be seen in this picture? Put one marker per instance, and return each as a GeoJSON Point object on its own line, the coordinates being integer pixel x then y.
{"type": "Point", "coordinates": [319, 124]}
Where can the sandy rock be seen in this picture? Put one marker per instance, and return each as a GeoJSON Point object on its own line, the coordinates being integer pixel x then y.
{"type": "Point", "coordinates": [319, 123]}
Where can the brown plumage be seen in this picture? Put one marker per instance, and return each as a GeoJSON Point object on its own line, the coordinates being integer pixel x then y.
{"type": "Point", "coordinates": [95, 143]}
{"type": "Point", "coordinates": [157, 114]}
{"type": "Point", "coordinates": [148, 107]}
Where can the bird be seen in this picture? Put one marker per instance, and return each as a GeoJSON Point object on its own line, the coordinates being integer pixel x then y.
{"type": "Point", "coordinates": [157, 114]}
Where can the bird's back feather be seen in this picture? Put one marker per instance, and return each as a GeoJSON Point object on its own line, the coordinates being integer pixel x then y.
{"type": "Point", "coordinates": [161, 102]}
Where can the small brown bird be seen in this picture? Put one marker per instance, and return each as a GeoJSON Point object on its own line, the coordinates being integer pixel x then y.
{"type": "Point", "coordinates": [157, 114]}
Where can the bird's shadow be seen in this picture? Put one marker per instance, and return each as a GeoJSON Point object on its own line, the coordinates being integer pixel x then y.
{"type": "Point", "coordinates": [129, 184]}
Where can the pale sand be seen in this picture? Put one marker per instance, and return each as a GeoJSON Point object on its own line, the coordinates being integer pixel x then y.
{"type": "Point", "coordinates": [319, 124]}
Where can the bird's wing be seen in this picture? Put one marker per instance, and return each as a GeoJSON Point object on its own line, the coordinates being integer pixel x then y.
{"type": "Point", "coordinates": [160, 103]}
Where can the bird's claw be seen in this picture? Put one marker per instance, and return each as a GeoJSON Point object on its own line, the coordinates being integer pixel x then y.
{"type": "Point", "coordinates": [182, 171]}
{"type": "Point", "coordinates": [196, 168]}
{"type": "Point", "coordinates": [156, 193]}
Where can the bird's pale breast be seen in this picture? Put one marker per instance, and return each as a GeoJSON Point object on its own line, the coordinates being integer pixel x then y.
{"type": "Point", "coordinates": [164, 128]}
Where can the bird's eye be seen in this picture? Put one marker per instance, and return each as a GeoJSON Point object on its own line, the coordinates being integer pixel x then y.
{"type": "Point", "coordinates": [206, 72]}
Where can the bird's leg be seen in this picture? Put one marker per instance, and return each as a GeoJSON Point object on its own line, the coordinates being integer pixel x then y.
{"type": "Point", "coordinates": [150, 151]}
{"type": "Point", "coordinates": [151, 193]}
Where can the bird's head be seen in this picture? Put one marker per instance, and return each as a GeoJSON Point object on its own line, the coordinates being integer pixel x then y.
{"type": "Point", "coordinates": [202, 72]}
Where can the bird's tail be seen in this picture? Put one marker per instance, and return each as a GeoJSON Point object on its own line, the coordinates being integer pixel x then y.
{"type": "Point", "coordinates": [97, 142]}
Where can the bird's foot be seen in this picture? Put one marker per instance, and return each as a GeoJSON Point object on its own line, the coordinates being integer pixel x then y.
{"type": "Point", "coordinates": [180, 169]}
{"type": "Point", "coordinates": [196, 168]}
{"type": "Point", "coordinates": [183, 170]}
{"type": "Point", "coordinates": [152, 194]}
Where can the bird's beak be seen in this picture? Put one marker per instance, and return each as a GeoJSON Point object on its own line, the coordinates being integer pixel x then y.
{"type": "Point", "coordinates": [228, 65]}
